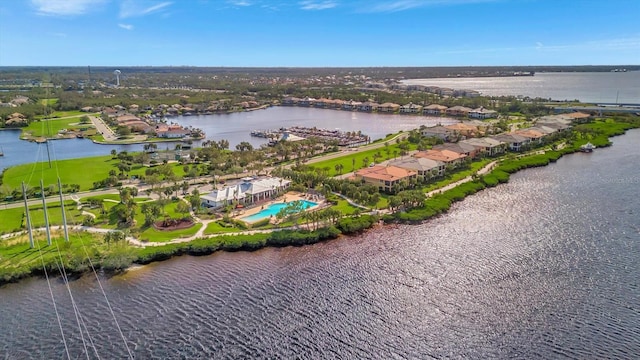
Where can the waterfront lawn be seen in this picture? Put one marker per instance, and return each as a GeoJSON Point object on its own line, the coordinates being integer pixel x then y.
{"type": "Point", "coordinates": [91, 169]}
{"type": "Point", "coordinates": [350, 161]}
{"type": "Point", "coordinates": [345, 208]}
{"type": "Point", "coordinates": [457, 176]}
{"type": "Point", "coordinates": [216, 227]}
{"type": "Point", "coordinates": [50, 128]}
{"type": "Point", "coordinates": [153, 235]}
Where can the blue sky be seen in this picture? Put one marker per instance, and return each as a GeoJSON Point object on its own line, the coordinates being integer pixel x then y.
{"type": "Point", "coordinates": [319, 32]}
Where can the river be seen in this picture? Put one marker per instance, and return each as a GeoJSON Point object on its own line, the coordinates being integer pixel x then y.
{"type": "Point", "coordinates": [594, 87]}
{"type": "Point", "coordinates": [234, 127]}
{"type": "Point", "coordinates": [543, 267]}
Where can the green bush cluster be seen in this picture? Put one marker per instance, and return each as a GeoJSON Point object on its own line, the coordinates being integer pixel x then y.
{"type": "Point", "coordinates": [353, 225]}
{"type": "Point", "coordinates": [301, 237]}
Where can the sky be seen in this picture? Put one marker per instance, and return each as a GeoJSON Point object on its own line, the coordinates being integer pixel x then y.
{"type": "Point", "coordinates": [318, 33]}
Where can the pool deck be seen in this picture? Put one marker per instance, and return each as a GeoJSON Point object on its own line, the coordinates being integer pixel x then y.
{"type": "Point", "coordinates": [290, 196]}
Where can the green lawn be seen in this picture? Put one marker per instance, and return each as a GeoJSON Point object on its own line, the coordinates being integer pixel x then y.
{"type": "Point", "coordinates": [50, 128]}
{"type": "Point", "coordinates": [355, 159]}
{"type": "Point", "coordinates": [216, 228]}
{"type": "Point", "coordinates": [91, 170]}
{"type": "Point", "coordinates": [154, 235]}
{"type": "Point", "coordinates": [345, 207]}
{"type": "Point", "coordinates": [457, 176]}
{"type": "Point", "coordinates": [13, 219]}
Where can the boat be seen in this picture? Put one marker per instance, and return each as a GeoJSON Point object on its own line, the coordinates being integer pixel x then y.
{"type": "Point", "coordinates": [1, 151]}
{"type": "Point", "coordinates": [587, 148]}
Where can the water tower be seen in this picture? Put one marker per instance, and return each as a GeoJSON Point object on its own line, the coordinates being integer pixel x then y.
{"type": "Point", "coordinates": [117, 74]}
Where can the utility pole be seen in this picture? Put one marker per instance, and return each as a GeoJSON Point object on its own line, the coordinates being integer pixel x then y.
{"type": "Point", "coordinates": [46, 217]}
{"type": "Point", "coordinates": [64, 216]}
{"type": "Point", "coordinates": [26, 211]}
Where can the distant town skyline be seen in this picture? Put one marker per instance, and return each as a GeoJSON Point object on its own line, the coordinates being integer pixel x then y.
{"type": "Point", "coordinates": [318, 33]}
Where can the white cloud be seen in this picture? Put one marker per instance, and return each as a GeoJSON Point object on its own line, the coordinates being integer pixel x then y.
{"type": "Point", "coordinates": [317, 5]}
{"type": "Point", "coordinates": [401, 5]}
{"type": "Point", "coordinates": [126, 26]}
{"type": "Point", "coordinates": [131, 8]}
{"type": "Point", "coordinates": [65, 7]}
{"type": "Point", "coordinates": [239, 2]}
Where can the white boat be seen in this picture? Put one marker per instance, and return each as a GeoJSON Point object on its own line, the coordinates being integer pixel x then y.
{"type": "Point", "coordinates": [588, 147]}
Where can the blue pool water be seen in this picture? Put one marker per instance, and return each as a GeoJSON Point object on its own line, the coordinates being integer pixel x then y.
{"type": "Point", "coordinates": [274, 209]}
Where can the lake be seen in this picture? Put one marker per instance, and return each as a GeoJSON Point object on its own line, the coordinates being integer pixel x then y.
{"type": "Point", "coordinates": [235, 127]}
{"type": "Point", "coordinates": [595, 87]}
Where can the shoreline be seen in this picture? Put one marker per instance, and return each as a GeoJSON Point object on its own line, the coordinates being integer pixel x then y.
{"type": "Point", "coordinates": [434, 206]}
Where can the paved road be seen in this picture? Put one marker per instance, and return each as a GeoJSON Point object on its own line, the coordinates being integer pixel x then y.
{"type": "Point", "coordinates": [103, 129]}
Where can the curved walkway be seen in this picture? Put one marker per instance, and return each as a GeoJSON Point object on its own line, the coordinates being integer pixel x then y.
{"type": "Point", "coordinates": [482, 171]}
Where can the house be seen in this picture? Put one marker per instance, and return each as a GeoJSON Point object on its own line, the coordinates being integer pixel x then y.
{"type": "Point", "coordinates": [249, 191]}
{"type": "Point", "coordinates": [487, 145]}
{"type": "Point", "coordinates": [307, 101]}
{"type": "Point", "coordinates": [321, 103]}
{"type": "Point", "coordinates": [290, 101]}
{"type": "Point", "coordinates": [351, 105]}
{"type": "Point", "coordinates": [576, 117]}
{"type": "Point", "coordinates": [459, 111]}
{"type": "Point", "coordinates": [513, 140]}
{"type": "Point", "coordinates": [388, 108]}
{"type": "Point", "coordinates": [534, 136]}
{"type": "Point", "coordinates": [446, 156]}
{"type": "Point", "coordinates": [460, 148]}
{"type": "Point", "coordinates": [482, 113]}
{"type": "Point", "coordinates": [410, 108]}
{"type": "Point", "coordinates": [337, 104]}
{"type": "Point", "coordinates": [463, 129]}
{"type": "Point", "coordinates": [126, 118]}
{"type": "Point", "coordinates": [174, 133]}
{"type": "Point", "coordinates": [385, 177]}
{"type": "Point", "coordinates": [426, 168]}
{"type": "Point", "coordinates": [438, 131]}
{"type": "Point", "coordinates": [434, 110]}
{"type": "Point", "coordinates": [368, 106]}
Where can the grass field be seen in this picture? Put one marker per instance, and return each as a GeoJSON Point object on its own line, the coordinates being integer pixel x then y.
{"type": "Point", "coordinates": [355, 160]}
{"type": "Point", "coordinates": [50, 128]}
{"type": "Point", "coordinates": [345, 208]}
{"type": "Point", "coordinates": [92, 169]}
{"type": "Point", "coordinates": [216, 228]}
{"type": "Point", "coordinates": [457, 176]}
{"type": "Point", "coordinates": [14, 220]}
{"type": "Point", "coordinates": [154, 235]}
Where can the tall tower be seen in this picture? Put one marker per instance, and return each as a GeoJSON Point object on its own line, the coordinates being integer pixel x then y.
{"type": "Point", "coordinates": [117, 74]}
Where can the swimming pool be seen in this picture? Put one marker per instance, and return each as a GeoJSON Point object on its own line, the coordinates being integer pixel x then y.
{"type": "Point", "coordinates": [274, 209]}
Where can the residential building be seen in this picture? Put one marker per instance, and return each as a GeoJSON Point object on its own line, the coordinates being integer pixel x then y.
{"type": "Point", "coordinates": [534, 136]}
{"type": "Point", "coordinates": [446, 156]}
{"type": "Point", "coordinates": [459, 111]}
{"type": "Point", "coordinates": [464, 130]}
{"type": "Point", "coordinates": [482, 113]}
{"type": "Point", "coordinates": [434, 110]}
{"type": "Point", "coordinates": [388, 108]}
{"type": "Point", "coordinates": [460, 148]}
{"type": "Point", "coordinates": [351, 105]}
{"type": "Point", "coordinates": [290, 100]}
{"type": "Point", "coordinates": [410, 108]}
{"type": "Point", "coordinates": [368, 106]}
{"type": "Point", "coordinates": [249, 191]}
{"type": "Point", "coordinates": [514, 141]}
{"type": "Point", "coordinates": [426, 168]}
{"type": "Point", "coordinates": [385, 177]}
{"type": "Point", "coordinates": [438, 131]}
{"type": "Point", "coordinates": [487, 145]}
